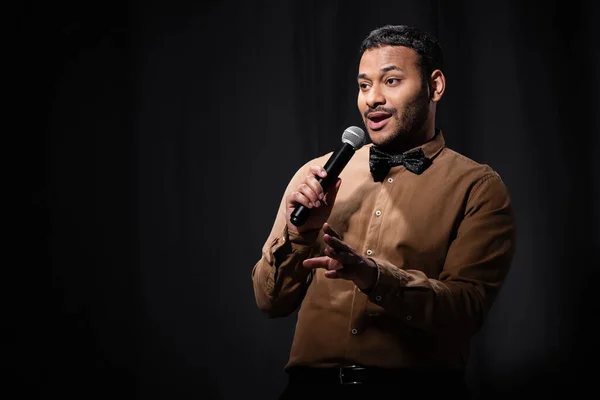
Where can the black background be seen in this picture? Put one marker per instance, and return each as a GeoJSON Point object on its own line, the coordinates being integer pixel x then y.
{"type": "Point", "coordinates": [152, 144]}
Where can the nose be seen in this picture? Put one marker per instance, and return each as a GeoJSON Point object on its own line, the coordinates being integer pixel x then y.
{"type": "Point", "coordinates": [374, 97]}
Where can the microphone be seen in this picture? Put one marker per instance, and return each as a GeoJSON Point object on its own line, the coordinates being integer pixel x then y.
{"type": "Point", "coordinates": [353, 139]}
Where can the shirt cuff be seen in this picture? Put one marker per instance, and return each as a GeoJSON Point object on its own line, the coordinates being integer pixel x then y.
{"type": "Point", "coordinates": [292, 243]}
{"type": "Point", "coordinates": [390, 282]}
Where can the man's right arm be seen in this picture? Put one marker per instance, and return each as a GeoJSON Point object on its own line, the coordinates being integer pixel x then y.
{"type": "Point", "coordinates": [279, 279]}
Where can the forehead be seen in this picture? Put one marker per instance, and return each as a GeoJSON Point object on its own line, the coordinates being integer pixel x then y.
{"type": "Point", "coordinates": [375, 59]}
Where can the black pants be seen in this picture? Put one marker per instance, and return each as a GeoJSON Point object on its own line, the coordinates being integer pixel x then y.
{"type": "Point", "coordinates": [399, 384]}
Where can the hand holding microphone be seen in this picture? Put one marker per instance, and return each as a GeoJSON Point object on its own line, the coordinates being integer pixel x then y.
{"type": "Point", "coordinates": [309, 206]}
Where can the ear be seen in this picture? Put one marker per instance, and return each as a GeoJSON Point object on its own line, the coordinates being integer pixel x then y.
{"type": "Point", "coordinates": [438, 85]}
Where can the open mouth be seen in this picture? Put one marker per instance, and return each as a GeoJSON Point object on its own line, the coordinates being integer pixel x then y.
{"type": "Point", "coordinates": [378, 119]}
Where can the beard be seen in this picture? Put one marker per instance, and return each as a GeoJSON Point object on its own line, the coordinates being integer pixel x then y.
{"type": "Point", "coordinates": [410, 123]}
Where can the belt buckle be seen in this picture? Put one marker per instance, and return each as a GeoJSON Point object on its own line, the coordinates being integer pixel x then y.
{"type": "Point", "coordinates": [351, 368]}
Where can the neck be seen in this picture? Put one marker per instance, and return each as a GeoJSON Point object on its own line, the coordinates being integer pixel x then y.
{"type": "Point", "coordinates": [405, 143]}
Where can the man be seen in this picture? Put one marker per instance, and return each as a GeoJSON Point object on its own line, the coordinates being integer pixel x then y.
{"type": "Point", "coordinates": [399, 262]}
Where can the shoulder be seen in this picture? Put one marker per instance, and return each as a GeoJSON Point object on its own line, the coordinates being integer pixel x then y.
{"type": "Point", "coordinates": [462, 176]}
{"type": "Point", "coordinates": [459, 165]}
{"type": "Point", "coordinates": [483, 184]}
{"type": "Point", "coordinates": [464, 163]}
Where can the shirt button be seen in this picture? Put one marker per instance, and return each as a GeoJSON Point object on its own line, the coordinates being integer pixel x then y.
{"type": "Point", "coordinates": [408, 317]}
{"type": "Point", "coordinates": [378, 213]}
{"type": "Point", "coordinates": [354, 331]}
{"type": "Point", "coordinates": [390, 180]}
{"type": "Point", "coordinates": [369, 252]}
{"type": "Point", "coordinates": [378, 298]}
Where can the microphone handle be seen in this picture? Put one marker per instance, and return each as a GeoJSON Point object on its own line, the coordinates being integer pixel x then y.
{"type": "Point", "coordinates": [334, 167]}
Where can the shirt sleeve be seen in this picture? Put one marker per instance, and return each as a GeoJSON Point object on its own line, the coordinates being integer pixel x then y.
{"type": "Point", "coordinates": [280, 282]}
{"type": "Point", "coordinates": [476, 265]}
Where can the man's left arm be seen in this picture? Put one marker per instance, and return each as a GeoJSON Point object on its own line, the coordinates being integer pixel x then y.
{"type": "Point", "coordinates": [476, 265]}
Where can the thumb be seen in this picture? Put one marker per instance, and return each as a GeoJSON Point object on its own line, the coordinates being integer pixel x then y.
{"type": "Point", "coordinates": [332, 193]}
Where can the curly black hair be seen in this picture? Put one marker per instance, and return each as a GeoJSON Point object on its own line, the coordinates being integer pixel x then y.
{"type": "Point", "coordinates": [425, 44]}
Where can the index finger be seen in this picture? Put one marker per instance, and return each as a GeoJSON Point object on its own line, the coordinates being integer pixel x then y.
{"type": "Point", "coordinates": [337, 244]}
{"type": "Point", "coordinates": [318, 171]}
{"type": "Point", "coordinates": [330, 231]}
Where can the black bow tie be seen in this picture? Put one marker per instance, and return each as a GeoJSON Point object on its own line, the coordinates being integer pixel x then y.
{"type": "Point", "coordinates": [380, 162]}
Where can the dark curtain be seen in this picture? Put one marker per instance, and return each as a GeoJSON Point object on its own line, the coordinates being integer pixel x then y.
{"type": "Point", "coordinates": [157, 139]}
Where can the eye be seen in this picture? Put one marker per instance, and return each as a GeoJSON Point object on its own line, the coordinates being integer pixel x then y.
{"type": "Point", "coordinates": [363, 85]}
{"type": "Point", "coordinates": [392, 81]}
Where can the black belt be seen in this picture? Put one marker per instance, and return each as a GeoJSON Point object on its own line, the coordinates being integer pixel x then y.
{"type": "Point", "coordinates": [356, 374]}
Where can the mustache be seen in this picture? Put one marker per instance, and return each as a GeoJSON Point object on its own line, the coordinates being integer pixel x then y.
{"type": "Point", "coordinates": [392, 111]}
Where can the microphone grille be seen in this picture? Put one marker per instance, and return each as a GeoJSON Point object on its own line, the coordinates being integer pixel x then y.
{"type": "Point", "coordinates": [354, 136]}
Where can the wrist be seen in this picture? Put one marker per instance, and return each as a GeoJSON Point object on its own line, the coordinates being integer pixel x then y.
{"type": "Point", "coordinates": [308, 237]}
{"type": "Point", "coordinates": [371, 275]}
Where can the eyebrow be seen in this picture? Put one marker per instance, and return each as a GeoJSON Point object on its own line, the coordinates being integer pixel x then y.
{"type": "Point", "coordinates": [384, 69]}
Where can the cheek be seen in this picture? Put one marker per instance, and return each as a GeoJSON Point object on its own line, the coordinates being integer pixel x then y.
{"type": "Point", "coordinates": [403, 103]}
{"type": "Point", "coordinates": [360, 103]}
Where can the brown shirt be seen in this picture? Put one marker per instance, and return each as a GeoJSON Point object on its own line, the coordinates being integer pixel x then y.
{"type": "Point", "coordinates": [443, 242]}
